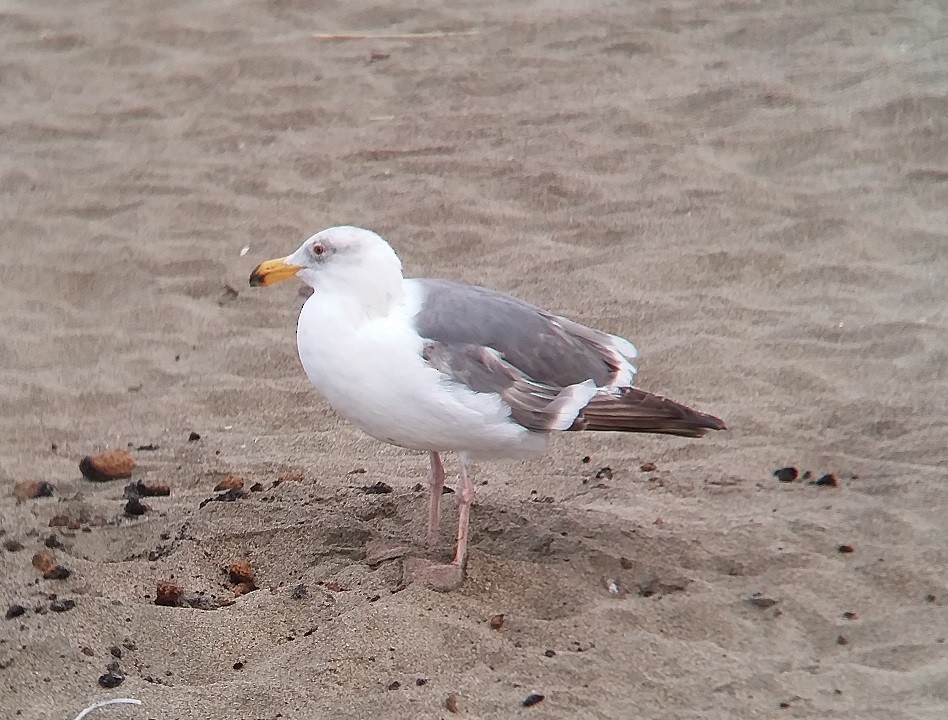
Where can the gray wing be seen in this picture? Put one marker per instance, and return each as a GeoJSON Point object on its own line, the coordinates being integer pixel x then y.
{"type": "Point", "coordinates": [534, 405]}
{"type": "Point", "coordinates": [550, 350]}
{"type": "Point", "coordinates": [554, 374]}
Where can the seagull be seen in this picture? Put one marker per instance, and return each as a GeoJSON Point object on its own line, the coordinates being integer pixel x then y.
{"type": "Point", "coordinates": [439, 366]}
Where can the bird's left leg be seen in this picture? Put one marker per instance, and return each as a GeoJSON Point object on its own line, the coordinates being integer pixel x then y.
{"type": "Point", "coordinates": [466, 493]}
{"type": "Point", "coordinates": [379, 551]}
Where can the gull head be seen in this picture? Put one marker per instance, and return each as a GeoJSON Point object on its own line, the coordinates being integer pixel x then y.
{"type": "Point", "coordinates": [340, 259]}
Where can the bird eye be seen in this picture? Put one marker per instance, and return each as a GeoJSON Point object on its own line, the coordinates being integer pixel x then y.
{"type": "Point", "coordinates": [318, 249]}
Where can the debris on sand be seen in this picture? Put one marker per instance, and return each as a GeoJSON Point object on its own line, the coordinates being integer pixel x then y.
{"type": "Point", "coordinates": [15, 611]}
{"type": "Point", "coordinates": [113, 676]}
{"type": "Point", "coordinates": [31, 489]}
{"type": "Point", "coordinates": [11, 545]}
{"type": "Point", "coordinates": [103, 703]}
{"type": "Point", "coordinates": [786, 474]}
{"type": "Point", "coordinates": [169, 594]}
{"type": "Point", "coordinates": [109, 465]}
{"type": "Point", "coordinates": [379, 488]}
{"type": "Point", "coordinates": [135, 507]}
{"type": "Point", "coordinates": [49, 566]}
{"type": "Point", "coordinates": [151, 488]}
{"type": "Point", "coordinates": [62, 605]}
{"type": "Point", "coordinates": [231, 482]}
{"type": "Point", "coordinates": [828, 480]}
{"type": "Point", "coordinates": [229, 496]}
{"type": "Point", "coordinates": [241, 574]}
{"type": "Point", "coordinates": [653, 587]}
{"type": "Point", "coordinates": [240, 571]}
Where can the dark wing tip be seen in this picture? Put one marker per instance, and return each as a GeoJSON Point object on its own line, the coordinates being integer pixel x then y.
{"type": "Point", "coordinates": [634, 410]}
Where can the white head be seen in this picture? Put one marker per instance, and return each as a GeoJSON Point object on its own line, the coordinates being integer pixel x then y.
{"type": "Point", "coordinates": [343, 260]}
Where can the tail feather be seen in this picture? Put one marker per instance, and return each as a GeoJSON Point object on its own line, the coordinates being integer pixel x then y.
{"type": "Point", "coordinates": [634, 410]}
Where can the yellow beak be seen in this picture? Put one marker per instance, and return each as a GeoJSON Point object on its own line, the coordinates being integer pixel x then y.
{"type": "Point", "coordinates": [272, 271]}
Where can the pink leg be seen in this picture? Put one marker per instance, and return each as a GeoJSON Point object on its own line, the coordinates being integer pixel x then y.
{"type": "Point", "coordinates": [465, 498]}
{"type": "Point", "coordinates": [435, 486]}
{"type": "Point", "coordinates": [444, 578]}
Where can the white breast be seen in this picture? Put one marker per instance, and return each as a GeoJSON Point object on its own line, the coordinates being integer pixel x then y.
{"type": "Point", "coordinates": [373, 374]}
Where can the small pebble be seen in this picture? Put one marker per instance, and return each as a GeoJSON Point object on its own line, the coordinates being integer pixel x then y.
{"type": "Point", "coordinates": [394, 685]}
{"type": "Point", "coordinates": [379, 488]}
{"type": "Point", "coordinates": [135, 507]}
{"type": "Point", "coordinates": [231, 482]}
{"type": "Point", "coordinates": [243, 588]}
{"type": "Point", "coordinates": [496, 621]}
{"type": "Point", "coordinates": [60, 520]}
{"type": "Point", "coordinates": [230, 496]}
{"type": "Point", "coordinates": [11, 545]}
{"type": "Point", "coordinates": [152, 489]}
{"type": "Point", "coordinates": [648, 467]}
{"type": "Point", "coordinates": [30, 489]}
{"type": "Point", "coordinates": [451, 703]}
{"type": "Point", "coordinates": [826, 481]}
{"type": "Point", "coordinates": [47, 565]}
{"type": "Point", "coordinates": [846, 549]}
{"type": "Point", "coordinates": [532, 699]}
{"type": "Point", "coordinates": [841, 640]}
{"type": "Point", "coordinates": [194, 437]}
{"type": "Point", "coordinates": [62, 605]}
{"type": "Point", "coordinates": [550, 653]}
{"type": "Point", "coordinates": [116, 652]}
{"type": "Point", "coordinates": [421, 681]}
{"type": "Point", "coordinates": [604, 473]}
{"type": "Point", "coordinates": [15, 611]}
{"type": "Point", "coordinates": [112, 679]}
{"type": "Point", "coordinates": [168, 593]}
{"type": "Point", "coordinates": [110, 465]}
{"type": "Point", "coordinates": [240, 571]}
{"type": "Point", "coordinates": [786, 474]}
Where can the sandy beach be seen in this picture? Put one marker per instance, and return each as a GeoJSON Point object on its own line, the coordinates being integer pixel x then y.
{"type": "Point", "coordinates": [754, 193]}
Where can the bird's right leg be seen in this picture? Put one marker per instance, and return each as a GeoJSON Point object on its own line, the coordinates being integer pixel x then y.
{"type": "Point", "coordinates": [435, 488]}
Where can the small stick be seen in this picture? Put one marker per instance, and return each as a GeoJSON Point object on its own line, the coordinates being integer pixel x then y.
{"type": "Point", "coordinates": [394, 36]}
{"type": "Point", "coordinates": [114, 701]}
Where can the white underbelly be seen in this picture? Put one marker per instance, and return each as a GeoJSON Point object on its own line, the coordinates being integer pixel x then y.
{"type": "Point", "coordinates": [375, 377]}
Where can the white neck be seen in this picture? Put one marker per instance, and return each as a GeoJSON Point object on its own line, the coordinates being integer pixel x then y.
{"type": "Point", "coordinates": [364, 293]}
